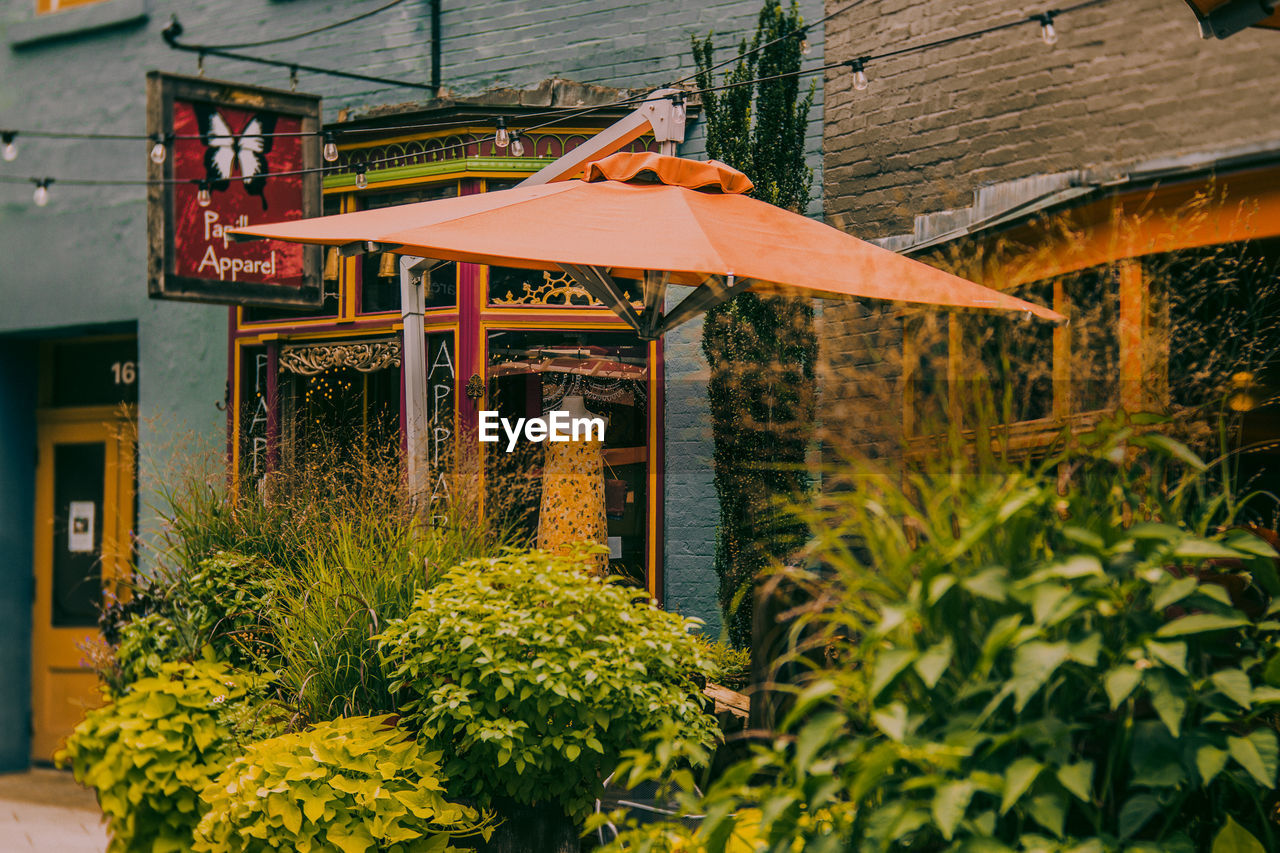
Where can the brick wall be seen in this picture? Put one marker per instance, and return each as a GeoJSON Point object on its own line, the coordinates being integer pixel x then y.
{"type": "Point", "coordinates": [1127, 82]}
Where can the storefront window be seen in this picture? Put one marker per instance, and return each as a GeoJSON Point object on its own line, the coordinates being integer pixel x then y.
{"type": "Point", "coordinates": [340, 398]}
{"type": "Point", "coordinates": [531, 373]}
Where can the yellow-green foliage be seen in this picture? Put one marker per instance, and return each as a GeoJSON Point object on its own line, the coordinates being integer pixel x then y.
{"type": "Point", "coordinates": [732, 666]}
{"type": "Point", "coordinates": [356, 784]}
{"type": "Point", "coordinates": [532, 674]}
{"type": "Point", "coordinates": [151, 752]}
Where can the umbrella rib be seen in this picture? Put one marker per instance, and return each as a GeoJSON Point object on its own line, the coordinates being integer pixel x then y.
{"type": "Point", "coordinates": [703, 298]}
{"type": "Point", "coordinates": [601, 285]}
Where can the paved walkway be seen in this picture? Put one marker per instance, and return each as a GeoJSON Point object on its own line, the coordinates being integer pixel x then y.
{"type": "Point", "coordinates": [46, 810]}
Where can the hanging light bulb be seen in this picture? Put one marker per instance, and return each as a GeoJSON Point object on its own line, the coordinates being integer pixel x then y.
{"type": "Point", "coordinates": [41, 195]}
{"type": "Point", "coordinates": [859, 74]}
{"type": "Point", "coordinates": [331, 264]}
{"type": "Point", "coordinates": [158, 149]}
{"type": "Point", "coordinates": [1047, 32]}
{"type": "Point", "coordinates": [500, 136]}
{"type": "Point", "coordinates": [330, 152]}
{"type": "Point", "coordinates": [362, 180]}
{"type": "Point", "coordinates": [517, 144]}
{"type": "Point", "coordinates": [10, 152]}
{"type": "Point", "coordinates": [203, 197]}
{"type": "Point", "coordinates": [805, 47]}
{"type": "Point", "coordinates": [677, 107]}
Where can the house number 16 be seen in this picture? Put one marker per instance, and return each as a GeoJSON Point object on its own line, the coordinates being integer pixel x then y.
{"type": "Point", "coordinates": [125, 372]}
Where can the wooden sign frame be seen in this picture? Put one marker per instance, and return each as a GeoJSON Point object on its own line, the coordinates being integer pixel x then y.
{"type": "Point", "coordinates": [163, 279]}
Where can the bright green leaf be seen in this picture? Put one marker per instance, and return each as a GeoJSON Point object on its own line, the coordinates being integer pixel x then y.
{"type": "Point", "coordinates": [949, 805]}
{"type": "Point", "coordinates": [1257, 753]}
{"type": "Point", "coordinates": [1078, 779]}
{"type": "Point", "coordinates": [1198, 623]}
{"type": "Point", "coordinates": [1235, 685]}
{"type": "Point", "coordinates": [1234, 838]}
{"type": "Point", "coordinates": [1017, 779]}
{"type": "Point", "coordinates": [1120, 682]}
{"type": "Point", "coordinates": [1209, 762]}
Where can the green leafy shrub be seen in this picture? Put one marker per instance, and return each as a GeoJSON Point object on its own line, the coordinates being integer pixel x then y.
{"type": "Point", "coordinates": [144, 644]}
{"type": "Point", "coordinates": [356, 784]}
{"type": "Point", "coordinates": [152, 751]}
{"type": "Point", "coordinates": [730, 667]}
{"type": "Point", "coordinates": [225, 602]}
{"type": "Point", "coordinates": [221, 607]}
{"type": "Point", "coordinates": [1013, 661]}
{"type": "Point", "coordinates": [532, 674]}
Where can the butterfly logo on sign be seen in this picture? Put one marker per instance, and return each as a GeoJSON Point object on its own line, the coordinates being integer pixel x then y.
{"type": "Point", "coordinates": [227, 152]}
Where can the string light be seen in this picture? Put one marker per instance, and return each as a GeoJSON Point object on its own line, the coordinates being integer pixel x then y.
{"type": "Point", "coordinates": [677, 107]}
{"type": "Point", "coordinates": [502, 136]}
{"type": "Point", "coordinates": [1047, 32]}
{"type": "Point", "coordinates": [805, 47]}
{"type": "Point", "coordinates": [858, 67]}
{"type": "Point", "coordinates": [517, 144]}
{"type": "Point", "coordinates": [41, 195]}
{"type": "Point", "coordinates": [203, 197]}
{"type": "Point", "coordinates": [158, 149]}
{"type": "Point", "coordinates": [330, 148]}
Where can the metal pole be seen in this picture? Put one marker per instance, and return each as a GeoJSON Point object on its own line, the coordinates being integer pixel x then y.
{"type": "Point", "coordinates": [414, 354]}
{"type": "Point", "coordinates": [436, 43]}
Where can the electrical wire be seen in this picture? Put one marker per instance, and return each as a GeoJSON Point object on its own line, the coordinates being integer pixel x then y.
{"type": "Point", "coordinates": [317, 30]}
{"type": "Point", "coordinates": [903, 51]}
{"type": "Point", "coordinates": [796, 32]}
{"type": "Point", "coordinates": [381, 161]}
{"type": "Point", "coordinates": [1032, 19]}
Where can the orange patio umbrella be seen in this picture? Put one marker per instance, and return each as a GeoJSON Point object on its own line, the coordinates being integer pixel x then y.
{"type": "Point", "coordinates": [655, 218]}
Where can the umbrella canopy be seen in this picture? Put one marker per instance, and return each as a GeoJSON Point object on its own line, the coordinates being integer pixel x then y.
{"type": "Point", "coordinates": [656, 218]}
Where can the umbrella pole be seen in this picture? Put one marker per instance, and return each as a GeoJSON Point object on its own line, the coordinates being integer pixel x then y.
{"type": "Point", "coordinates": [414, 354]}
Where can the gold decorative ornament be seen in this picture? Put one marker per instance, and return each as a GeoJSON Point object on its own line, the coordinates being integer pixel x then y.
{"type": "Point", "coordinates": [365, 357]}
{"type": "Point", "coordinates": [559, 291]}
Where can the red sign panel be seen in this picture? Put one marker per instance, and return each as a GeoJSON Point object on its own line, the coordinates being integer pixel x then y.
{"type": "Point", "coordinates": [236, 156]}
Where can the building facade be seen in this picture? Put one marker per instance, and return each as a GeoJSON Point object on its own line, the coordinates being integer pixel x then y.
{"type": "Point", "coordinates": [1125, 173]}
{"type": "Point", "coordinates": [86, 359]}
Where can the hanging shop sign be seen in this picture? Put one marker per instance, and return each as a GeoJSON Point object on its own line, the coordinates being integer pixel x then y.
{"type": "Point", "coordinates": [226, 155]}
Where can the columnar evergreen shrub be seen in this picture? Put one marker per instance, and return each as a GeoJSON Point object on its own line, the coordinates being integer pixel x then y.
{"type": "Point", "coordinates": [761, 350]}
{"type": "Point", "coordinates": [532, 675]}
{"type": "Point", "coordinates": [1077, 656]}
{"type": "Point", "coordinates": [150, 753]}
{"type": "Point", "coordinates": [355, 784]}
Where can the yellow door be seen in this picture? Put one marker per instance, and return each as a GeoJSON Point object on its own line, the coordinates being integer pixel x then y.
{"type": "Point", "coordinates": [84, 512]}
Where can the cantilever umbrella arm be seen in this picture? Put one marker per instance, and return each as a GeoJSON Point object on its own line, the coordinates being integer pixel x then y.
{"type": "Point", "coordinates": [651, 323]}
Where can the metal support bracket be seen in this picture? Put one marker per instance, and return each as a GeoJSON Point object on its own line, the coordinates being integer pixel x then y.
{"type": "Point", "coordinates": [714, 291]}
{"type": "Point", "coordinates": [601, 285]}
{"type": "Point", "coordinates": [656, 113]}
{"type": "Point", "coordinates": [361, 247]}
{"type": "Point", "coordinates": [655, 294]}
